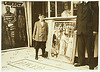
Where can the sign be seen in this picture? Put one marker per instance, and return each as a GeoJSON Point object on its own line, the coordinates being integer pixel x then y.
{"type": "Point", "coordinates": [13, 4]}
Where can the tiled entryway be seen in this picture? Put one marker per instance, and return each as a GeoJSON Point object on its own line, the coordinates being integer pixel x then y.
{"type": "Point", "coordinates": [24, 59]}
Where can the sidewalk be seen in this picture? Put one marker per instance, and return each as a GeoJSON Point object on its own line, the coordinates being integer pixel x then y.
{"type": "Point", "coordinates": [24, 59]}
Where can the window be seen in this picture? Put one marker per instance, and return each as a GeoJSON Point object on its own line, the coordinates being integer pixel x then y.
{"type": "Point", "coordinates": [62, 8]}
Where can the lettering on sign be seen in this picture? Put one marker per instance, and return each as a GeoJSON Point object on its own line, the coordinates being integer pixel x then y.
{"type": "Point", "coordinates": [14, 4]}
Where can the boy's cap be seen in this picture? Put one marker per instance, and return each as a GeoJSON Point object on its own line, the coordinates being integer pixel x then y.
{"type": "Point", "coordinates": [41, 15]}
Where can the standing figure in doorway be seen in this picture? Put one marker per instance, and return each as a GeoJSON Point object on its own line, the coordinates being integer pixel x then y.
{"type": "Point", "coordinates": [40, 34]}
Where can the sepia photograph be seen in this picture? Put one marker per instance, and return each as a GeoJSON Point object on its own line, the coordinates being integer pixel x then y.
{"type": "Point", "coordinates": [49, 35]}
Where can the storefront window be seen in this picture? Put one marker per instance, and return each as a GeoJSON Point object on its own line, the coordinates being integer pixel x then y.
{"type": "Point", "coordinates": [63, 9]}
{"type": "Point", "coordinates": [13, 25]}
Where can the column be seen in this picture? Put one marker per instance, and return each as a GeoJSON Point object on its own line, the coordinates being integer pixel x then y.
{"type": "Point", "coordinates": [28, 16]}
{"type": "Point", "coordinates": [48, 9]}
{"type": "Point", "coordinates": [55, 8]}
{"type": "Point", "coordinates": [50, 36]}
{"type": "Point", "coordinates": [29, 8]}
{"type": "Point", "coordinates": [71, 8]}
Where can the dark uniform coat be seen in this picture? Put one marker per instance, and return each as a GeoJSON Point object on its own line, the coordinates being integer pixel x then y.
{"type": "Point", "coordinates": [84, 19]}
{"type": "Point", "coordinates": [85, 26]}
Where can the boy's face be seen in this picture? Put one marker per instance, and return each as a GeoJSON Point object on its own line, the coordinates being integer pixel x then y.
{"type": "Point", "coordinates": [41, 18]}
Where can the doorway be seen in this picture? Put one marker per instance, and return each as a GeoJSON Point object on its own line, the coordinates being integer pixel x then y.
{"type": "Point", "coordinates": [40, 7]}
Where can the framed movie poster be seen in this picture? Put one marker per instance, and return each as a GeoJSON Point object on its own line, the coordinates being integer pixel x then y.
{"type": "Point", "coordinates": [63, 38]}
